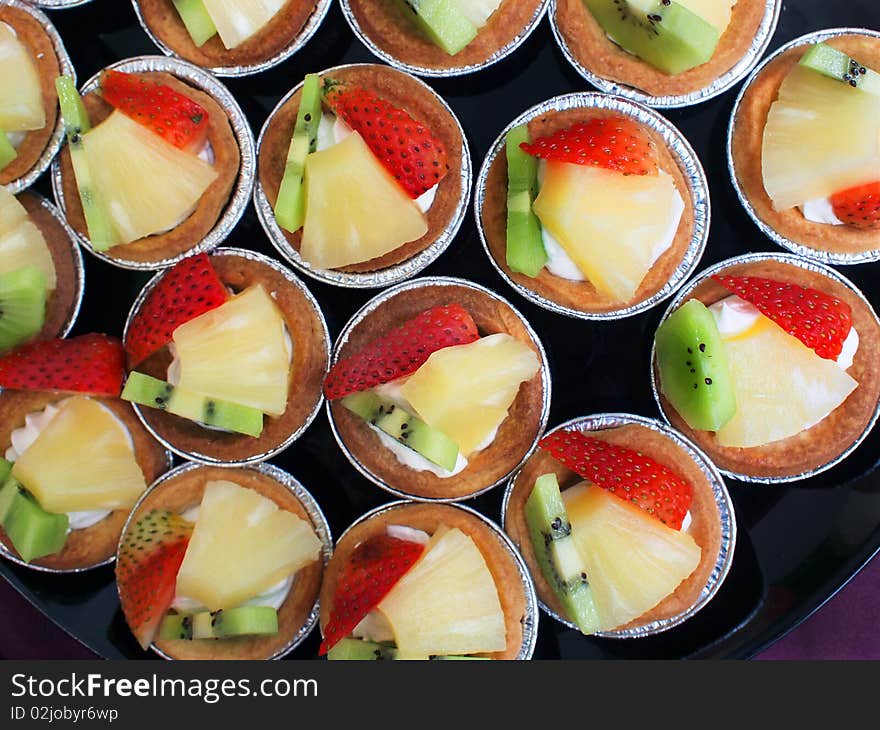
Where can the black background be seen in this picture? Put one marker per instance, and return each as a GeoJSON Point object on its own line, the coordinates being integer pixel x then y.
{"type": "Point", "coordinates": [797, 544]}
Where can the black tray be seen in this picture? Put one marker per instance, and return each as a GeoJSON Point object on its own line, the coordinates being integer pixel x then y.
{"type": "Point", "coordinates": [797, 544]}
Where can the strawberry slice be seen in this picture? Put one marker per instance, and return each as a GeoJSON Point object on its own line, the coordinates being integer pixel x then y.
{"type": "Point", "coordinates": [858, 206]}
{"type": "Point", "coordinates": [407, 148]}
{"type": "Point", "coordinates": [173, 116]}
{"type": "Point", "coordinates": [185, 291]}
{"type": "Point", "coordinates": [822, 322]}
{"type": "Point", "coordinates": [613, 143]}
{"type": "Point", "coordinates": [627, 474]}
{"type": "Point", "coordinates": [372, 570]}
{"type": "Point", "coordinates": [93, 364]}
{"type": "Point", "coordinates": [402, 351]}
{"type": "Point", "coordinates": [146, 572]}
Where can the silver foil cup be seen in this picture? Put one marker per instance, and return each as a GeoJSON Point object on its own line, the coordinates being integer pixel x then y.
{"type": "Point", "coordinates": [370, 279]}
{"type": "Point", "coordinates": [308, 30]}
{"type": "Point", "coordinates": [452, 70]}
{"type": "Point", "coordinates": [685, 157]}
{"type": "Point", "coordinates": [316, 517]}
{"type": "Point", "coordinates": [235, 207]}
{"type": "Point", "coordinates": [59, 4]}
{"type": "Point", "coordinates": [723, 83]}
{"type": "Point", "coordinates": [786, 258]}
{"type": "Point", "coordinates": [825, 257]}
{"type": "Point", "coordinates": [66, 67]}
{"type": "Point", "coordinates": [722, 501]}
{"type": "Point", "coordinates": [530, 617]}
{"type": "Point", "coordinates": [376, 303]}
{"type": "Point", "coordinates": [256, 458]}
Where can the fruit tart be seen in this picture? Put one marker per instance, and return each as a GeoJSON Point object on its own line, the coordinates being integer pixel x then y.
{"type": "Point", "coordinates": [443, 37]}
{"type": "Point", "coordinates": [227, 356]}
{"type": "Point", "coordinates": [364, 174]}
{"type": "Point", "coordinates": [592, 206]}
{"type": "Point", "coordinates": [426, 581]}
{"type": "Point", "coordinates": [150, 162]}
{"type": "Point", "coordinates": [222, 564]}
{"type": "Point", "coordinates": [231, 39]}
{"type": "Point", "coordinates": [75, 457]}
{"type": "Point", "coordinates": [438, 390]}
{"type": "Point", "coordinates": [809, 187]}
{"type": "Point", "coordinates": [31, 57]}
{"type": "Point", "coordinates": [626, 528]}
{"type": "Point", "coordinates": [665, 52]}
{"type": "Point", "coordinates": [41, 274]}
{"type": "Point", "coordinates": [769, 365]}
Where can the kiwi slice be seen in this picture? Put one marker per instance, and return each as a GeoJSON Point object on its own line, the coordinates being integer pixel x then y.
{"type": "Point", "coordinates": [224, 624]}
{"type": "Point", "coordinates": [692, 361]}
{"type": "Point", "coordinates": [155, 393]}
{"type": "Point", "coordinates": [359, 650]}
{"type": "Point", "coordinates": [403, 426]}
{"type": "Point", "coordinates": [33, 531]}
{"type": "Point", "coordinates": [828, 61]}
{"type": "Point", "coordinates": [442, 21]}
{"type": "Point", "coordinates": [7, 151]}
{"type": "Point", "coordinates": [198, 22]}
{"type": "Point", "coordinates": [22, 305]}
{"type": "Point", "coordinates": [11, 487]}
{"type": "Point", "coordinates": [557, 554]}
{"type": "Point", "coordinates": [525, 246]}
{"type": "Point", "coordinates": [5, 470]}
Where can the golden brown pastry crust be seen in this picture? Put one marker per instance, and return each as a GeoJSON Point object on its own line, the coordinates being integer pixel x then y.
{"type": "Point", "coordinates": [705, 525]}
{"type": "Point", "coordinates": [279, 33]}
{"type": "Point", "coordinates": [383, 22]}
{"type": "Point", "coordinates": [582, 296]}
{"type": "Point", "coordinates": [185, 490]}
{"type": "Point", "coordinates": [306, 377]}
{"type": "Point", "coordinates": [517, 432]}
{"type": "Point", "coordinates": [407, 93]}
{"type": "Point", "coordinates": [430, 517]}
{"type": "Point", "coordinates": [34, 37]}
{"type": "Point", "coordinates": [189, 233]}
{"type": "Point", "coordinates": [829, 438]}
{"type": "Point", "coordinates": [747, 144]}
{"type": "Point", "coordinates": [590, 45]}
{"type": "Point", "coordinates": [96, 544]}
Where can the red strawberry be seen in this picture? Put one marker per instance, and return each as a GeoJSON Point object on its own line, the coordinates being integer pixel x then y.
{"type": "Point", "coordinates": [402, 351]}
{"type": "Point", "coordinates": [146, 572]}
{"type": "Point", "coordinates": [174, 117]}
{"type": "Point", "coordinates": [858, 206]}
{"type": "Point", "coordinates": [614, 143]}
{"type": "Point", "coordinates": [628, 474]}
{"type": "Point", "coordinates": [372, 570]}
{"type": "Point", "coordinates": [819, 320]}
{"type": "Point", "coordinates": [93, 364]}
{"type": "Point", "coordinates": [414, 156]}
{"type": "Point", "coordinates": [184, 292]}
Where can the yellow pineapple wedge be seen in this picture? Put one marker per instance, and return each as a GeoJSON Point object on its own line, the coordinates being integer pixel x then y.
{"type": "Point", "coordinates": [355, 210]}
{"type": "Point", "coordinates": [242, 545]}
{"type": "Point", "coordinates": [821, 137]}
{"type": "Point", "coordinates": [238, 20]}
{"type": "Point", "coordinates": [633, 560]}
{"type": "Point", "coordinates": [21, 97]}
{"type": "Point", "coordinates": [714, 12]}
{"type": "Point", "coordinates": [237, 352]}
{"type": "Point", "coordinates": [782, 387]}
{"type": "Point", "coordinates": [608, 223]}
{"type": "Point", "coordinates": [21, 242]}
{"type": "Point", "coordinates": [148, 184]}
{"type": "Point", "coordinates": [447, 603]}
{"type": "Point", "coordinates": [82, 460]}
{"type": "Point", "coordinates": [12, 213]}
{"type": "Point", "coordinates": [465, 391]}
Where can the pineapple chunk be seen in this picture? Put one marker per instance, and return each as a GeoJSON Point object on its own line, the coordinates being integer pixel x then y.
{"type": "Point", "coordinates": [21, 97]}
{"type": "Point", "coordinates": [82, 460]}
{"type": "Point", "coordinates": [12, 213]}
{"type": "Point", "coordinates": [237, 352]}
{"type": "Point", "coordinates": [355, 210]}
{"type": "Point", "coordinates": [714, 12]}
{"type": "Point", "coordinates": [242, 545]}
{"type": "Point", "coordinates": [447, 603]}
{"type": "Point", "coordinates": [238, 20]}
{"type": "Point", "coordinates": [782, 387]}
{"type": "Point", "coordinates": [465, 391]}
{"type": "Point", "coordinates": [148, 184]}
{"type": "Point", "coordinates": [609, 224]}
{"type": "Point", "coordinates": [21, 242]}
{"type": "Point", "coordinates": [822, 136]}
{"type": "Point", "coordinates": [633, 560]}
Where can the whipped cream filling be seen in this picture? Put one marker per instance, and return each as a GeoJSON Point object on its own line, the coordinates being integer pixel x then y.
{"type": "Point", "coordinates": [821, 211]}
